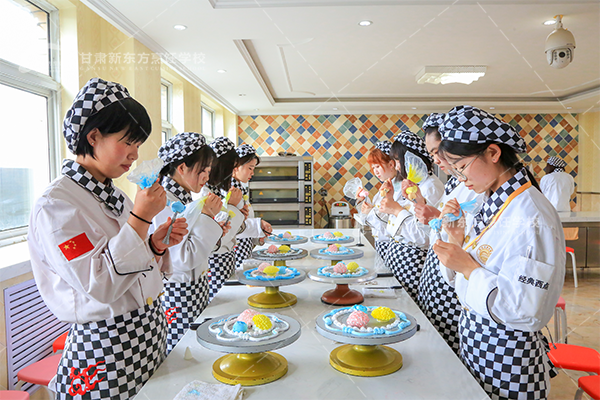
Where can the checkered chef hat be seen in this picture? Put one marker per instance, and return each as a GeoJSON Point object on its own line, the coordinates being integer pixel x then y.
{"type": "Point", "coordinates": [385, 146]}
{"type": "Point", "coordinates": [221, 145]}
{"type": "Point", "coordinates": [467, 124]}
{"type": "Point", "coordinates": [414, 142]}
{"type": "Point", "coordinates": [434, 120]}
{"type": "Point", "coordinates": [557, 162]}
{"type": "Point", "coordinates": [180, 146]}
{"type": "Point", "coordinates": [93, 97]}
{"type": "Point", "coordinates": [245, 150]}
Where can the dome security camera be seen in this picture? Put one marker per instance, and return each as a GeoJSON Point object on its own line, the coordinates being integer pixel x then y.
{"type": "Point", "coordinates": [560, 46]}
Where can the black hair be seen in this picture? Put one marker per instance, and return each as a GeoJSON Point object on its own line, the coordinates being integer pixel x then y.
{"type": "Point", "coordinates": [199, 160]}
{"type": "Point", "coordinates": [246, 159]}
{"type": "Point", "coordinates": [508, 156]}
{"type": "Point", "coordinates": [433, 131]}
{"type": "Point", "coordinates": [397, 153]}
{"type": "Point", "coordinates": [124, 114]}
{"type": "Point", "coordinates": [220, 174]}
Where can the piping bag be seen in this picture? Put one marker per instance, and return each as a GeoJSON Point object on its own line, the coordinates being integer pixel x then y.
{"type": "Point", "coordinates": [177, 207]}
{"type": "Point", "coordinates": [354, 187]}
{"type": "Point", "coordinates": [470, 207]}
{"type": "Point", "coordinates": [416, 171]}
{"type": "Point", "coordinates": [145, 174]}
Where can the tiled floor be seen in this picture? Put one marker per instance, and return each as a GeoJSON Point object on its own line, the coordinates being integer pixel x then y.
{"type": "Point", "coordinates": [583, 321]}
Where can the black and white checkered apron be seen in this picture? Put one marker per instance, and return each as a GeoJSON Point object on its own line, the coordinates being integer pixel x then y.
{"type": "Point", "coordinates": [507, 363]}
{"type": "Point", "coordinates": [243, 250]}
{"type": "Point", "coordinates": [406, 262]}
{"type": "Point", "coordinates": [220, 268]}
{"type": "Point", "coordinates": [381, 248]}
{"type": "Point", "coordinates": [439, 302]}
{"type": "Point", "coordinates": [112, 359]}
{"type": "Point", "coordinates": [183, 303]}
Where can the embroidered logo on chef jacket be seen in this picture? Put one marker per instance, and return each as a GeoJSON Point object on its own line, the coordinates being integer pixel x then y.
{"type": "Point", "coordinates": [484, 252]}
{"type": "Point", "coordinates": [76, 246]}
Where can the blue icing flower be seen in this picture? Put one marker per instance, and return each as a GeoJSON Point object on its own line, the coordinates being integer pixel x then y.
{"type": "Point", "coordinates": [328, 321]}
{"type": "Point", "coordinates": [360, 307]}
{"type": "Point", "coordinates": [343, 249]}
{"type": "Point", "coordinates": [282, 270]}
{"type": "Point", "coordinates": [378, 331]}
{"type": "Point", "coordinates": [240, 326]}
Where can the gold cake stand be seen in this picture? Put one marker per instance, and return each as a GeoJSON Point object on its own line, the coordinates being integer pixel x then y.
{"type": "Point", "coordinates": [365, 355]}
{"type": "Point", "coordinates": [272, 297]}
{"type": "Point", "coordinates": [249, 363]}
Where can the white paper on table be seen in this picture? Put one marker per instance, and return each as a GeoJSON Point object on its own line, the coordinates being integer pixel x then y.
{"type": "Point", "coordinates": [198, 390]}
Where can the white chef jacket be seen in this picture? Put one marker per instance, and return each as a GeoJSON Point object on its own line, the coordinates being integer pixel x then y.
{"type": "Point", "coordinates": [378, 220]}
{"type": "Point", "coordinates": [523, 265]}
{"type": "Point", "coordinates": [558, 187]}
{"type": "Point", "coordinates": [120, 273]}
{"type": "Point", "coordinates": [405, 227]}
{"type": "Point", "coordinates": [190, 257]}
{"type": "Point", "coordinates": [228, 240]}
{"type": "Point", "coordinates": [251, 227]}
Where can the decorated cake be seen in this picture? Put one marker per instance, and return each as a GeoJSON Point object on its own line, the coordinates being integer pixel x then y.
{"type": "Point", "coordinates": [250, 325]}
{"type": "Point", "coordinates": [330, 237]}
{"type": "Point", "coordinates": [268, 272]}
{"type": "Point", "coordinates": [365, 321]}
{"type": "Point", "coordinates": [283, 250]}
{"type": "Point", "coordinates": [336, 249]}
{"type": "Point", "coordinates": [341, 270]}
{"type": "Point", "coordinates": [285, 237]}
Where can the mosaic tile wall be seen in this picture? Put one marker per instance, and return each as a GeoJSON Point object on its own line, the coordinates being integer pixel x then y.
{"type": "Point", "coordinates": [339, 143]}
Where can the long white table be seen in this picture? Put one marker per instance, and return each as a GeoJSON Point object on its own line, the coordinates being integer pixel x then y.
{"type": "Point", "coordinates": [431, 370]}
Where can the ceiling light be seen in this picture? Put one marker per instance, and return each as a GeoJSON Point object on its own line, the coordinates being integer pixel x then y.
{"type": "Point", "coordinates": [492, 108]}
{"type": "Point", "coordinates": [450, 74]}
{"type": "Point", "coordinates": [550, 22]}
{"type": "Point", "coordinates": [334, 108]}
{"type": "Point", "coordinates": [180, 27]}
{"type": "Point", "coordinates": [221, 71]}
{"type": "Point", "coordinates": [568, 108]}
{"type": "Point", "coordinates": [256, 109]}
{"type": "Point", "coordinates": [414, 108]}
{"type": "Point", "coordinates": [365, 23]}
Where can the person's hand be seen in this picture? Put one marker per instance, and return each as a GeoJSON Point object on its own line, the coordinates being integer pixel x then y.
{"type": "Point", "coordinates": [425, 213]}
{"type": "Point", "coordinates": [235, 197]}
{"type": "Point", "coordinates": [177, 234]}
{"type": "Point", "coordinates": [387, 189]}
{"type": "Point", "coordinates": [362, 194]}
{"type": "Point", "coordinates": [366, 208]}
{"type": "Point", "coordinates": [226, 226]}
{"type": "Point", "coordinates": [390, 206]}
{"type": "Point", "coordinates": [245, 210]}
{"type": "Point", "coordinates": [150, 201]}
{"type": "Point", "coordinates": [417, 197]}
{"type": "Point", "coordinates": [266, 227]}
{"type": "Point", "coordinates": [454, 257]}
{"type": "Point", "coordinates": [212, 205]}
{"type": "Point", "coordinates": [455, 229]}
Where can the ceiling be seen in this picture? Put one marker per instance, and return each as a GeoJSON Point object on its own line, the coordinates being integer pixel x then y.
{"type": "Point", "coordinates": [312, 57]}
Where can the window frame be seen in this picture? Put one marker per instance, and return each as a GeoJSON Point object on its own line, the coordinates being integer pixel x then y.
{"type": "Point", "coordinates": [167, 124]}
{"type": "Point", "coordinates": [45, 85]}
{"type": "Point", "coordinates": [212, 112]}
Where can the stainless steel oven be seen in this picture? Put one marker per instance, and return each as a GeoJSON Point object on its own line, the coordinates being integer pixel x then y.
{"type": "Point", "coordinates": [283, 169]}
{"type": "Point", "coordinates": [280, 192]}
{"type": "Point", "coordinates": [291, 215]}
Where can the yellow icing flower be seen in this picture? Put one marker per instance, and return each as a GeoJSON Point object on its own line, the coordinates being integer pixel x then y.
{"type": "Point", "coordinates": [271, 270]}
{"type": "Point", "coordinates": [231, 214]}
{"type": "Point", "coordinates": [383, 314]}
{"type": "Point", "coordinates": [284, 248]}
{"type": "Point", "coordinates": [352, 266]}
{"type": "Point", "coordinates": [338, 234]}
{"type": "Point", "coordinates": [262, 322]}
{"type": "Point", "coordinates": [338, 245]}
{"type": "Point", "coordinates": [246, 198]}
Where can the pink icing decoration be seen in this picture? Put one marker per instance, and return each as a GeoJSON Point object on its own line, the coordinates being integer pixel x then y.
{"type": "Point", "coordinates": [262, 266]}
{"type": "Point", "coordinates": [332, 249]}
{"type": "Point", "coordinates": [357, 319]}
{"type": "Point", "coordinates": [340, 268]}
{"type": "Point", "coordinates": [287, 235]}
{"type": "Point", "coordinates": [247, 315]}
{"type": "Point", "coordinates": [328, 235]}
{"type": "Point", "coordinates": [273, 249]}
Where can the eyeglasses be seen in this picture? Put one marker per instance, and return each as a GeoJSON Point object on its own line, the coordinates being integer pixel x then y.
{"type": "Point", "coordinates": [459, 174]}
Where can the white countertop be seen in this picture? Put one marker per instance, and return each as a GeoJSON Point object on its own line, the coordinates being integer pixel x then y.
{"type": "Point", "coordinates": [431, 370]}
{"type": "Point", "coordinates": [581, 216]}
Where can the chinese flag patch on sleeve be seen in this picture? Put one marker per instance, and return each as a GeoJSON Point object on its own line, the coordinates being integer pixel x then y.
{"type": "Point", "coordinates": [76, 246]}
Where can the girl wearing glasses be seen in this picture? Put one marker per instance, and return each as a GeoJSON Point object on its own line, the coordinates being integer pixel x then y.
{"type": "Point", "coordinates": [407, 251]}
{"type": "Point", "coordinates": [435, 297]}
{"type": "Point", "coordinates": [508, 270]}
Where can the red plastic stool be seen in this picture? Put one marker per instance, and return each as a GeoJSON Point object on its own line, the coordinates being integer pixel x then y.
{"type": "Point", "coordinates": [560, 321]}
{"type": "Point", "coordinates": [576, 358]}
{"type": "Point", "coordinates": [40, 372]}
{"type": "Point", "coordinates": [13, 395]}
{"type": "Point", "coordinates": [59, 343]}
{"type": "Point", "coordinates": [571, 252]}
{"type": "Point", "coordinates": [589, 385]}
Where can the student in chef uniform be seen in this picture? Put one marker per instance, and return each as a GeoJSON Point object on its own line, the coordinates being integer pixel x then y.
{"type": "Point", "coordinates": [436, 297]}
{"type": "Point", "coordinates": [557, 185]}
{"type": "Point", "coordinates": [508, 271]}
{"type": "Point", "coordinates": [407, 250]}
{"type": "Point", "coordinates": [253, 228]}
{"type": "Point", "coordinates": [222, 262]}
{"type": "Point", "coordinates": [383, 168]}
{"type": "Point", "coordinates": [92, 260]}
{"type": "Point", "coordinates": [188, 160]}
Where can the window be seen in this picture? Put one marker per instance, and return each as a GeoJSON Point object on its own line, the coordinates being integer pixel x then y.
{"type": "Point", "coordinates": [208, 121]}
{"type": "Point", "coordinates": [166, 109]}
{"type": "Point", "coordinates": [29, 109]}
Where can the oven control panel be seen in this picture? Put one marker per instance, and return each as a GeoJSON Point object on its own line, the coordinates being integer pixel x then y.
{"type": "Point", "coordinates": [308, 171]}
{"type": "Point", "coordinates": [308, 194]}
{"type": "Point", "coordinates": [308, 215]}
